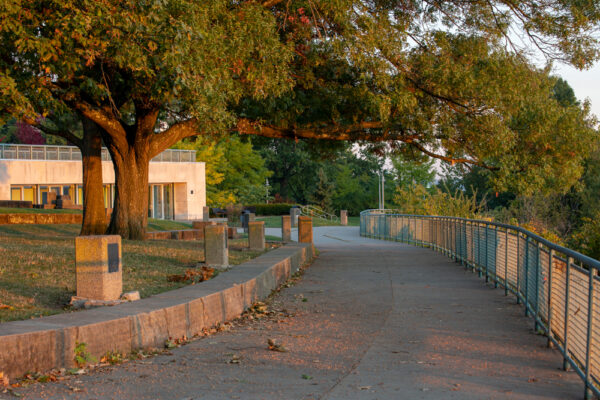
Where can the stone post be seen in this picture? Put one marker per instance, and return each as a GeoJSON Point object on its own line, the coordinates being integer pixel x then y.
{"type": "Point", "coordinates": [344, 217]}
{"type": "Point", "coordinates": [256, 235]}
{"type": "Point", "coordinates": [98, 267]}
{"type": "Point", "coordinates": [294, 214]}
{"type": "Point", "coordinates": [216, 252]}
{"type": "Point", "coordinates": [286, 228]}
{"type": "Point", "coordinates": [305, 233]}
{"type": "Point", "coordinates": [205, 214]}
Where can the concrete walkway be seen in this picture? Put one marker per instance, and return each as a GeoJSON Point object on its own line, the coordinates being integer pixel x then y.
{"type": "Point", "coordinates": [369, 320]}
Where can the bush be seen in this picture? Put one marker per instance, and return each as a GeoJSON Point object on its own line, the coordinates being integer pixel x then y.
{"type": "Point", "coordinates": [270, 209]}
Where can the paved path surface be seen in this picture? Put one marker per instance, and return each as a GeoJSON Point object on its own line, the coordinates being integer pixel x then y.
{"type": "Point", "coordinates": [369, 320]}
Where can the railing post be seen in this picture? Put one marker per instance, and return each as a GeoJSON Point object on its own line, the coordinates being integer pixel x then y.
{"type": "Point", "coordinates": [496, 256]}
{"type": "Point", "coordinates": [472, 247]}
{"type": "Point", "coordinates": [479, 266]}
{"type": "Point", "coordinates": [506, 264]}
{"type": "Point", "coordinates": [487, 266]}
{"type": "Point", "coordinates": [518, 267]}
{"type": "Point", "coordinates": [538, 269]}
{"type": "Point", "coordinates": [590, 326]}
{"type": "Point", "coordinates": [527, 276]}
{"type": "Point", "coordinates": [550, 311]}
{"type": "Point", "coordinates": [566, 364]}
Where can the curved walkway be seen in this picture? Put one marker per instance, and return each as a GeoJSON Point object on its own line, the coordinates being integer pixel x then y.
{"type": "Point", "coordinates": [369, 320]}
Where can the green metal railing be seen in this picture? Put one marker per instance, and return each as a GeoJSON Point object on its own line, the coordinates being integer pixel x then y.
{"type": "Point", "coordinates": [557, 286]}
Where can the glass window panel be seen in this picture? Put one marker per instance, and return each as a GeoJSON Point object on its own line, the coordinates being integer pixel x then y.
{"type": "Point", "coordinates": [15, 193]}
{"type": "Point", "coordinates": [29, 194]}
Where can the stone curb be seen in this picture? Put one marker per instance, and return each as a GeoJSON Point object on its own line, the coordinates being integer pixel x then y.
{"type": "Point", "coordinates": [49, 342]}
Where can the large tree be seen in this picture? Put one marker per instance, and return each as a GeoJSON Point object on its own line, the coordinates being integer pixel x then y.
{"type": "Point", "coordinates": [442, 77]}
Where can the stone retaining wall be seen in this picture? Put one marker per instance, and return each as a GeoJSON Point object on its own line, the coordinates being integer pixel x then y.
{"type": "Point", "coordinates": [45, 343]}
{"type": "Point", "coordinates": [186, 234]}
{"type": "Point", "coordinates": [40, 218]}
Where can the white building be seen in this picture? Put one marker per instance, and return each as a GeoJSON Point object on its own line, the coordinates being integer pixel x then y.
{"type": "Point", "coordinates": [28, 172]}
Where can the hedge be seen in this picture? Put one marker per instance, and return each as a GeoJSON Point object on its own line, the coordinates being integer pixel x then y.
{"type": "Point", "coordinates": [270, 209]}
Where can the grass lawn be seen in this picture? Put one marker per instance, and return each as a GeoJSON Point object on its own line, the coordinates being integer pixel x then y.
{"type": "Point", "coordinates": [37, 272]}
{"type": "Point", "coordinates": [272, 221]}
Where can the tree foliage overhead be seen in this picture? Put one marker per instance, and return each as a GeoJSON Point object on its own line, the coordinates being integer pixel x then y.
{"type": "Point", "coordinates": [445, 78]}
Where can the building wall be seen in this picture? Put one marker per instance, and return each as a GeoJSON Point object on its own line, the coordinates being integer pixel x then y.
{"type": "Point", "coordinates": [188, 178]}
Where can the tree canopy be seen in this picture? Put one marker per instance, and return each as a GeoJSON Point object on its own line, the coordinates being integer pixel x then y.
{"type": "Point", "coordinates": [444, 78]}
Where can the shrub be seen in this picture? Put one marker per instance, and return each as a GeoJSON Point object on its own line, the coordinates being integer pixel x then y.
{"type": "Point", "coordinates": [270, 209]}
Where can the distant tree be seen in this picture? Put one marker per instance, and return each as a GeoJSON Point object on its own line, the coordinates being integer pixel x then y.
{"type": "Point", "coordinates": [27, 134]}
{"type": "Point", "coordinates": [323, 191]}
{"type": "Point", "coordinates": [235, 173]}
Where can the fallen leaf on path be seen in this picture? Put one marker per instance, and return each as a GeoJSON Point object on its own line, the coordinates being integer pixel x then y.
{"type": "Point", "coordinates": [365, 387]}
{"type": "Point", "coordinates": [307, 377]}
{"type": "Point", "coordinates": [276, 347]}
{"type": "Point", "coordinates": [235, 359]}
{"type": "Point", "coordinates": [4, 381]}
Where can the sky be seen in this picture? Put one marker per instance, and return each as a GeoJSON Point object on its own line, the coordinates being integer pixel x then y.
{"type": "Point", "coordinates": [586, 84]}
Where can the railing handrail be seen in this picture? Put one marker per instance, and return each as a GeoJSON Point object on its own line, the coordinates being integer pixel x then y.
{"type": "Point", "coordinates": [551, 245]}
{"type": "Point", "coordinates": [72, 153]}
{"type": "Point", "coordinates": [311, 210]}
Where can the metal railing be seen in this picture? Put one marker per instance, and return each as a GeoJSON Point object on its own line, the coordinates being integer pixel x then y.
{"type": "Point", "coordinates": [317, 212]}
{"type": "Point", "coordinates": [558, 286]}
{"type": "Point", "coordinates": [72, 153]}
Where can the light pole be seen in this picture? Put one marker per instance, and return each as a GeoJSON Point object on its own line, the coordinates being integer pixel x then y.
{"type": "Point", "coordinates": [267, 190]}
{"type": "Point", "coordinates": [381, 190]}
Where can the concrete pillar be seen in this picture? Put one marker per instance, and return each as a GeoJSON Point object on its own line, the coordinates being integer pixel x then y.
{"type": "Point", "coordinates": [344, 217]}
{"type": "Point", "coordinates": [256, 235]}
{"type": "Point", "coordinates": [286, 228]}
{"type": "Point", "coordinates": [205, 213]}
{"type": "Point", "coordinates": [98, 267]}
{"type": "Point", "coordinates": [294, 214]}
{"type": "Point", "coordinates": [305, 233]}
{"type": "Point", "coordinates": [216, 252]}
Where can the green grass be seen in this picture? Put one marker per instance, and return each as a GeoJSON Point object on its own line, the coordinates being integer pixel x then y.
{"type": "Point", "coordinates": [167, 225]}
{"type": "Point", "coordinates": [37, 273]}
{"type": "Point", "coordinates": [275, 221]}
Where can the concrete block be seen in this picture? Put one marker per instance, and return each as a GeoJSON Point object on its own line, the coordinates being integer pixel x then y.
{"type": "Point", "coordinates": [256, 235]}
{"type": "Point", "coordinates": [98, 267]}
{"type": "Point", "coordinates": [286, 228]}
{"type": "Point", "coordinates": [216, 251]}
{"type": "Point", "coordinates": [205, 214]}
{"type": "Point", "coordinates": [344, 217]}
{"type": "Point", "coordinates": [196, 317]}
{"type": "Point", "coordinates": [305, 232]}
{"type": "Point", "coordinates": [233, 300]}
{"type": "Point", "coordinates": [294, 214]}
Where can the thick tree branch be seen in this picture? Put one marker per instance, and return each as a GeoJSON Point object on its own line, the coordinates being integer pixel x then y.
{"type": "Point", "coordinates": [181, 130]}
{"type": "Point", "coordinates": [110, 125]}
{"type": "Point", "coordinates": [358, 131]}
{"type": "Point", "coordinates": [63, 133]}
{"type": "Point", "coordinates": [451, 160]}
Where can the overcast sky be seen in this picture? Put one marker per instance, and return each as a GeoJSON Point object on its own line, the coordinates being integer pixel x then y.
{"type": "Point", "coordinates": [586, 84]}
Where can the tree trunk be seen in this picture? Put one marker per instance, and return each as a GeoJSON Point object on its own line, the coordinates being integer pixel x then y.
{"type": "Point", "coordinates": [94, 217]}
{"type": "Point", "coordinates": [130, 213]}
